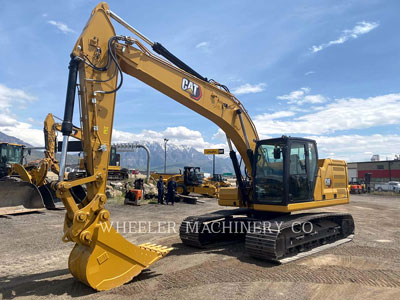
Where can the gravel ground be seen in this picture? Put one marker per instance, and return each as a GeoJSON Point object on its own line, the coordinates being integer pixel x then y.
{"type": "Point", "coordinates": [34, 260]}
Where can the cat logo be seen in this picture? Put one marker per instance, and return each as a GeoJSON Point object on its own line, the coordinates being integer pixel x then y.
{"type": "Point", "coordinates": [190, 87]}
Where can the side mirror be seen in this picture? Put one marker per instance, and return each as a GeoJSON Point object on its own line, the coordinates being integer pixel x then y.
{"type": "Point", "coordinates": [277, 153]}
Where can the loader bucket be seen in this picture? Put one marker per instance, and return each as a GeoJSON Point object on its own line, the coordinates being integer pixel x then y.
{"type": "Point", "coordinates": [110, 260]}
{"type": "Point", "coordinates": [19, 197]}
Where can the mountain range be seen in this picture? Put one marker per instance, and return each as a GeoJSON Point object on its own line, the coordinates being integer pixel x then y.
{"type": "Point", "coordinates": [177, 157]}
{"type": "Point", "coordinates": [11, 139]}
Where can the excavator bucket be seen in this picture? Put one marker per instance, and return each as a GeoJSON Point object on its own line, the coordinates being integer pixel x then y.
{"type": "Point", "coordinates": [19, 197]}
{"type": "Point", "coordinates": [109, 260]}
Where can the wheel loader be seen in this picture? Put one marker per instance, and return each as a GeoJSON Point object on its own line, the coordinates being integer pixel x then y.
{"type": "Point", "coordinates": [17, 193]}
{"type": "Point", "coordinates": [283, 176]}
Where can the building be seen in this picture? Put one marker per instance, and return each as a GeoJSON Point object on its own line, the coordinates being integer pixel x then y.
{"type": "Point", "coordinates": [381, 171]}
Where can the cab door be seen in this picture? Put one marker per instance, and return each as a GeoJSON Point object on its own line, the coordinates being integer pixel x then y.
{"type": "Point", "coordinates": [302, 171]}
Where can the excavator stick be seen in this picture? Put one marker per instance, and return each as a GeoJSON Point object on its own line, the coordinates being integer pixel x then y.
{"type": "Point", "coordinates": [19, 197]}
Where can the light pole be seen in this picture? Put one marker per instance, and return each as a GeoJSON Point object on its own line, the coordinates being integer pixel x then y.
{"type": "Point", "coordinates": [213, 165]}
{"type": "Point", "coordinates": [165, 155]}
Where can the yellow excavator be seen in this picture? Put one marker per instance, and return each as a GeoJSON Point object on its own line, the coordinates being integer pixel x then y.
{"type": "Point", "coordinates": [25, 187]}
{"type": "Point", "coordinates": [283, 175]}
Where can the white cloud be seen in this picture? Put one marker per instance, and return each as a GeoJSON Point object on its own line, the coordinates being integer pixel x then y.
{"type": "Point", "coordinates": [25, 132]}
{"type": "Point", "coordinates": [219, 135]}
{"type": "Point", "coordinates": [178, 136]}
{"type": "Point", "coordinates": [302, 96]}
{"type": "Point", "coordinates": [249, 88]}
{"type": "Point", "coordinates": [276, 115]}
{"type": "Point", "coordinates": [202, 45]}
{"type": "Point", "coordinates": [360, 29]}
{"type": "Point", "coordinates": [8, 122]}
{"type": "Point", "coordinates": [61, 26]}
{"type": "Point", "coordinates": [309, 73]}
{"type": "Point", "coordinates": [353, 147]}
{"type": "Point", "coordinates": [341, 114]}
{"type": "Point", "coordinates": [8, 96]}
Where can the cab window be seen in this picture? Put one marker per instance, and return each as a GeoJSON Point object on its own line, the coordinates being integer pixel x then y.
{"type": "Point", "coordinates": [299, 188]}
{"type": "Point", "coordinates": [269, 186]}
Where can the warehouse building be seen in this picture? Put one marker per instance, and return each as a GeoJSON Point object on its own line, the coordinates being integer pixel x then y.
{"type": "Point", "coordinates": [381, 171]}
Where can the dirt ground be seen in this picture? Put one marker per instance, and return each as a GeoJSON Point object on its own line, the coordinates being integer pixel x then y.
{"type": "Point", "coordinates": [33, 260]}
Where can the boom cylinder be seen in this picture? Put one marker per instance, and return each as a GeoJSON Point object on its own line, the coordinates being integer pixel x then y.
{"type": "Point", "coordinates": [160, 49]}
{"type": "Point", "coordinates": [248, 151]}
{"type": "Point", "coordinates": [67, 126]}
{"type": "Point", "coordinates": [157, 47]}
{"type": "Point", "coordinates": [238, 173]}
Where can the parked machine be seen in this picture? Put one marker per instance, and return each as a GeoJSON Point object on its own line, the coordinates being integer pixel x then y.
{"type": "Point", "coordinates": [166, 176]}
{"type": "Point", "coordinates": [356, 186]}
{"type": "Point", "coordinates": [218, 181]}
{"type": "Point", "coordinates": [134, 196]}
{"type": "Point", "coordinates": [17, 193]}
{"type": "Point", "coordinates": [283, 175]}
{"type": "Point", "coordinates": [192, 181]}
{"type": "Point", "coordinates": [25, 187]}
{"type": "Point", "coordinates": [115, 172]}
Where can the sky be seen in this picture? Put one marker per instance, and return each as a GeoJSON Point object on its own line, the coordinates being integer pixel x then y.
{"type": "Point", "coordinates": [327, 70]}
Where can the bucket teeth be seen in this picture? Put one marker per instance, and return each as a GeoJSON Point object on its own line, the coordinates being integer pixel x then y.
{"type": "Point", "coordinates": [162, 250]}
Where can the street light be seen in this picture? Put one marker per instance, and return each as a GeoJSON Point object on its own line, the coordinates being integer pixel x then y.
{"type": "Point", "coordinates": [165, 155]}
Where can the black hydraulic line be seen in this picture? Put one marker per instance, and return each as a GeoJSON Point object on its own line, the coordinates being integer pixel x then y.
{"type": "Point", "coordinates": [250, 155]}
{"type": "Point", "coordinates": [67, 126]}
{"type": "Point", "coordinates": [160, 49]}
{"type": "Point", "coordinates": [249, 152]}
{"type": "Point", "coordinates": [236, 168]}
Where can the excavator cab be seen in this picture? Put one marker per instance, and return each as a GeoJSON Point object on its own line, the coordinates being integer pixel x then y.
{"type": "Point", "coordinates": [115, 172]}
{"type": "Point", "coordinates": [285, 171]}
{"type": "Point", "coordinates": [115, 157]}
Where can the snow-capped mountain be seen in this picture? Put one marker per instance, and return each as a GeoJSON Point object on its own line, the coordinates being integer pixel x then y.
{"type": "Point", "coordinates": [178, 156]}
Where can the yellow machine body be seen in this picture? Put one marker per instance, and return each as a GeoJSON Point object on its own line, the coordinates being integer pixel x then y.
{"type": "Point", "coordinates": [206, 188]}
{"type": "Point", "coordinates": [330, 189]}
{"type": "Point", "coordinates": [104, 259]}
